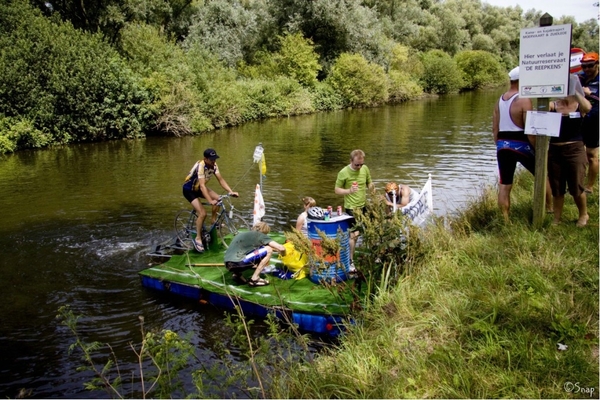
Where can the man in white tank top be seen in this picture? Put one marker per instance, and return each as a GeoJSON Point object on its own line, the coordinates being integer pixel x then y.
{"type": "Point", "coordinates": [512, 144]}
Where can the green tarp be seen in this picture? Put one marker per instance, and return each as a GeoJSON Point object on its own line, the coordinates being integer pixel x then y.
{"type": "Point", "coordinates": [301, 295]}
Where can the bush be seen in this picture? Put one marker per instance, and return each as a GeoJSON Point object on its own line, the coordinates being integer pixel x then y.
{"type": "Point", "coordinates": [325, 98]}
{"type": "Point", "coordinates": [67, 83]}
{"type": "Point", "coordinates": [358, 82]}
{"type": "Point", "coordinates": [19, 133]}
{"type": "Point", "coordinates": [274, 98]}
{"type": "Point", "coordinates": [170, 76]}
{"type": "Point", "coordinates": [479, 69]}
{"type": "Point", "coordinates": [440, 73]}
{"type": "Point", "coordinates": [402, 87]}
{"type": "Point", "coordinates": [295, 59]}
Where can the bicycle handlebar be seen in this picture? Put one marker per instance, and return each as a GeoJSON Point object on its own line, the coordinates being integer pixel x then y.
{"type": "Point", "coordinates": [224, 196]}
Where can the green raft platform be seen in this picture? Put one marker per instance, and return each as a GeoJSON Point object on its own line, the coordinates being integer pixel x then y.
{"type": "Point", "coordinates": [312, 307]}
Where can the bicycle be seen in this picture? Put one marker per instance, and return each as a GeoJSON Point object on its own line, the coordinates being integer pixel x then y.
{"type": "Point", "coordinates": [227, 224]}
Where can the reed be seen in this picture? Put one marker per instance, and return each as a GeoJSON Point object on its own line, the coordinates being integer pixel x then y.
{"type": "Point", "coordinates": [480, 313]}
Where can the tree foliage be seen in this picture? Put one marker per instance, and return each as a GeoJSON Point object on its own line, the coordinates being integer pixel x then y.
{"type": "Point", "coordinates": [68, 84]}
{"type": "Point", "coordinates": [479, 69]}
{"type": "Point", "coordinates": [440, 73]}
{"type": "Point", "coordinates": [358, 82]}
{"type": "Point", "coordinates": [96, 70]}
{"type": "Point", "coordinates": [296, 59]}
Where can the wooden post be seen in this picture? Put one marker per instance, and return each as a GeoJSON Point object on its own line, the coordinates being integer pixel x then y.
{"type": "Point", "coordinates": [541, 157]}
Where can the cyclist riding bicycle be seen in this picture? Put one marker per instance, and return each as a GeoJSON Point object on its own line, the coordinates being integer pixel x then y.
{"type": "Point", "coordinates": [195, 189]}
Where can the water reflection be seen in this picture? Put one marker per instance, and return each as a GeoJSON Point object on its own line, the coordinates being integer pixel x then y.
{"type": "Point", "coordinates": [78, 220]}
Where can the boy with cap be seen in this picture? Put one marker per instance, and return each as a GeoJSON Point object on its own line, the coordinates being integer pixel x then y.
{"type": "Point", "coordinates": [194, 189]}
{"type": "Point", "coordinates": [590, 129]}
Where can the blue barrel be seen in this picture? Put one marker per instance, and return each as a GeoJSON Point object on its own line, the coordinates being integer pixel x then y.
{"type": "Point", "coordinates": [333, 271]}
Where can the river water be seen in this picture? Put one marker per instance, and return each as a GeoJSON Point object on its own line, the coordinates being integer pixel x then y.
{"type": "Point", "coordinates": [77, 221]}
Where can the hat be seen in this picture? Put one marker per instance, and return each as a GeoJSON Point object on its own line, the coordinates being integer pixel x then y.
{"type": "Point", "coordinates": [514, 74]}
{"type": "Point", "coordinates": [589, 57]}
{"type": "Point", "coordinates": [211, 154]}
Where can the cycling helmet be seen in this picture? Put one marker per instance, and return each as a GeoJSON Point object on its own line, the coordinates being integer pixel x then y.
{"type": "Point", "coordinates": [315, 213]}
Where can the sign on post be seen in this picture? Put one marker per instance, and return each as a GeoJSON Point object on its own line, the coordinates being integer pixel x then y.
{"type": "Point", "coordinates": [545, 54]}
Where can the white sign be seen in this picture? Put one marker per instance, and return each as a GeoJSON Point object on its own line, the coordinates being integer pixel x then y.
{"type": "Point", "coordinates": [545, 53]}
{"type": "Point", "coordinates": [543, 123]}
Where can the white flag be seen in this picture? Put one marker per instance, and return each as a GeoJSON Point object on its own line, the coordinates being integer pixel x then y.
{"type": "Point", "coordinates": [259, 205]}
{"type": "Point", "coordinates": [420, 208]}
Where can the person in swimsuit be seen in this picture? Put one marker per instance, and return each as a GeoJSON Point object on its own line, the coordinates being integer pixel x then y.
{"type": "Point", "coordinates": [401, 192]}
{"type": "Point", "coordinates": [512, 144]}
{"type": "Point", "coordinates": [195, 189]}
{"type": "Point", "coordinates": [301, 222]}
{"type": "Point", "coordinates": [567, 160]}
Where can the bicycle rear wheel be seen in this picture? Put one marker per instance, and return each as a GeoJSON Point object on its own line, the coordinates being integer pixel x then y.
{"type": "Point", "coordinates": [185, 227]}
{"type": "Point", "coordinates": [231, 227]}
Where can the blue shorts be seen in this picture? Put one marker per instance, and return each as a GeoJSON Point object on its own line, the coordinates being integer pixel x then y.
{"type": "Point", "coordinates": [252, 259]}
{"type": "Point", "coordinates": [511, 152]}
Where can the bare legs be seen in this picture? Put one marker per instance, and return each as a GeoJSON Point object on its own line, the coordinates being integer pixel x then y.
{"type": "Point", "coordinates": [263, 263]}
{"type": "Point", "coordinates": [200, 220]}
{"type": "Point", "coordinates": [353, 239]}
{"type": "Point", "coordinates": [504, 200]}
{"type": "Point", "coordinates": [580, 202]}
{"type": "Point", "coordinates": [592, 157]}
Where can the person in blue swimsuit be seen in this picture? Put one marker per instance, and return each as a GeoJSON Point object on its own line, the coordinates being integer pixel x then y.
{"type": "Point", "coordinates": [195, 189]}
{"type": "Point", "coordinates": [512, 144]}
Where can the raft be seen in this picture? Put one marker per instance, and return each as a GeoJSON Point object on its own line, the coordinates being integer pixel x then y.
{"type": "Point", "coordinates": [311, 307]}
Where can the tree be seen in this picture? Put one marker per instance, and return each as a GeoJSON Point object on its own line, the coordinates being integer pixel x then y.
{"type": "Point", "coordinates": [225, 28]}
{"type": "Point", "coordinates": [359, 82]}
{"type": "Point", "coordinates": [440, 73]}
{"type": "Point", "coordinates": [479, 69]}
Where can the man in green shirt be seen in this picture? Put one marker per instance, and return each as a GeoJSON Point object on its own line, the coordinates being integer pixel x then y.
{"type": "Point", "coordinates": [352, 182]}
{"type": "Point", "coordinates": [251, 249]}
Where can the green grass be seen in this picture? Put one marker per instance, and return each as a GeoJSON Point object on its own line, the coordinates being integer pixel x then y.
{"type": "Point", "coordinates": [479, 316]}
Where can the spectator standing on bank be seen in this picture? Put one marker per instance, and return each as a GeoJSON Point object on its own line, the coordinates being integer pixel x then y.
{"type": "Point", "coordinates": [512, 144]}
{"type": "Point", "coordinates": [590, 129]}
{"type": "Point", "coordinates": [566, 156]}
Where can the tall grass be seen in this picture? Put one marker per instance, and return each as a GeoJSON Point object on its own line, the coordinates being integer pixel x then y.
{"type": "Point", "coordinates": [480, 315]}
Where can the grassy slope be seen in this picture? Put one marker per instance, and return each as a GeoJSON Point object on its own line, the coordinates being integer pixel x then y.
{"type": "Point", "coordinates": [479, 315]}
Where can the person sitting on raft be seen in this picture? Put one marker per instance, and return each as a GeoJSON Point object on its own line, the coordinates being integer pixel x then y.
{"type": "Point", "coordinates": [302, 223]}
{"type": "Point", "coordinates": [251, 249]}
{"type": "Point", "coordinates": [401, 192]}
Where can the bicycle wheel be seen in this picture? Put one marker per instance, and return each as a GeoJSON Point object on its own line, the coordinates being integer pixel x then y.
{"type": "Point", "coordinates": [185, 227]}
{"type": "Point", "coordinates": [231, 227]}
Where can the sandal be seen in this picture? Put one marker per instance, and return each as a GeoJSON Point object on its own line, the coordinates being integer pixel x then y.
{"type": "Point", "coordinates": [239, 278]}
{"type": "Point", "coordinates": [258, 282]}
{"type": "Point", "coordinates": [198, 246]}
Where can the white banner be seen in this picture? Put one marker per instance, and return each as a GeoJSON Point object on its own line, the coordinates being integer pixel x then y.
{"type": "Point", "coordinates": [420, 208]}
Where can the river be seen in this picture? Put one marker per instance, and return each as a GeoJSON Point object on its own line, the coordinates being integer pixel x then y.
{"type": "Point", "coordinates": [77, 221]}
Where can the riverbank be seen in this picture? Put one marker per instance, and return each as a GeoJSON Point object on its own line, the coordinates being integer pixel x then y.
{"type": "Point", "coordinates": [486, 309]}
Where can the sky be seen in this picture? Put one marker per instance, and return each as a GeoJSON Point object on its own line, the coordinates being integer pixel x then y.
{"type": "Point", "coordinates": [582, 10]}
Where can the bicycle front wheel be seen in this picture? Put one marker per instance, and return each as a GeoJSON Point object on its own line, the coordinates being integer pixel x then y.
{"type": "Point", "coordinates": [231, 227]}
{"type": "Point", "coordinates": [185, 227]}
